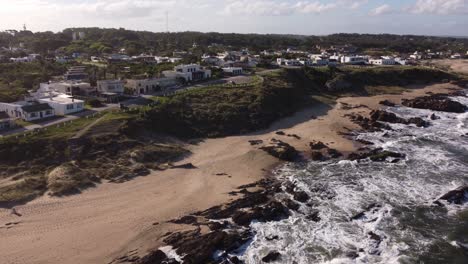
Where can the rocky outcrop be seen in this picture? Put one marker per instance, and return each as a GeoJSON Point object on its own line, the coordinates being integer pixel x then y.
{"type": "Point", "coordinates": [271, 257]}
{"type": "Point", "coordinates": [387, 103]}
{"type": "Point", "coordinates": [384, 116]}
{"type": "Point", "coordinates": [457, 196]}
{"type": "Point", "coordinates": [317, 145]}
{"type": "Point", "coordinates": [368, 124]}
{"type": "Point", "coordinates": [281, 150]}
{"type": "Point", "coordinates": [198, 246]}
{"type": "Point", "coordinates": [378, 155]}
{"type": "Point", "coordinates": [435, 103]}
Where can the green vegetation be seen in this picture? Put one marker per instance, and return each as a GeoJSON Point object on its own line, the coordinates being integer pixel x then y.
{"type": "Point", "coordinates": [99, 40]}
{"type": "Point", "coordinates": [218, 111]}
{"type": "Point", "coordinates": [17, 78]}
{"type": "Point", "coordinates": [61, 162]}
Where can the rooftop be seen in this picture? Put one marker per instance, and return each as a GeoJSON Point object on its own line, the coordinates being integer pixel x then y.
{"type": "Point", "coordinates": [62, 99]}
{"type": "Point", "coordinates": [36, 107]}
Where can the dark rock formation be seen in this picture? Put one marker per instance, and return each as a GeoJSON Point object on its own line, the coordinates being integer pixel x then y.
{"type": "Point", "coordinates": [156, 257]}
{"type": "Point", "coordinates": [457, 196]}
{"type": "Point", "coordinates": [377, 154]}
{"type": "Point", "coordinates": [383, 116]}
{"type": "Point", "coordinates": [281, 150]}
{"type": "Point", "coordinates": [317, 156]}
{"type": "Point", "coordinates": [314, 216]}
{"type": "Point", "coordinates": [386, 103]}
{"type": "Point", "coordinates": [272, 256]}
{"type": "Point", "coordinates": [317, 145]}
{"type": "Point", "coordinates": [435, 103]}
{"type": "Point", "coordinates": [256, 142]}
{"type": "Point", "coordinates": [280, 133]}
{"type": "Point", "coordinates": [434, 117]}
{"type": "Point", "coordinates": [301, 196]}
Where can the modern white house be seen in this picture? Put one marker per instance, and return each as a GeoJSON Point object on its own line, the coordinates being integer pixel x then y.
{"type": "Point", "coordinates": [145, 86]}
{"type": "Point", "coordinates": [64, 104]}
{"type": "Point", "coordinates": [110, 86]}
{"type": "Point", "coordinates": [189, 72]}
{"type": "Point", "coordinates": [68, 87]}
{"type": "Point", "coordinates": [27, 110]}
{"type": "Point", "coordinates": [384, 60]}
{"type": "Point", "coordinates": [353, 60]}
{"type": "Point", "coordinates": [233, 70]}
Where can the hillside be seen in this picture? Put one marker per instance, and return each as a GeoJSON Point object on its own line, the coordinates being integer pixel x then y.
{"type": "Point", "coordinates": [215, 111]}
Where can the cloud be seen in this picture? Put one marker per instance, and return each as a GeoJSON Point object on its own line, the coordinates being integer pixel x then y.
{"type": "Point", "coordinates": [381, 10]}
{"type": "Point", "coordinates": [282, 8]}
{"type": "Point", "coordinates": [439, 7]}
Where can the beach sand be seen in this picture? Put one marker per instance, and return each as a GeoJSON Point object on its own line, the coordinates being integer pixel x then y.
{"type": "Point", "coordinates": [105, 222]}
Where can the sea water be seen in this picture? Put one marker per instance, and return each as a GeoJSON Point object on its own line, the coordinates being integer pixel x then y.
{"type": "Point", "coordinates": [401, 223]}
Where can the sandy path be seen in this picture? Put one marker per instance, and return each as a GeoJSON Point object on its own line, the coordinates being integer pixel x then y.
{"type": "Point", "coordinates": [111, 219]}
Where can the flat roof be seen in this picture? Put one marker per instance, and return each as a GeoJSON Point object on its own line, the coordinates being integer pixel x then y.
{"type": "Point", "coordinates": [62, 100]}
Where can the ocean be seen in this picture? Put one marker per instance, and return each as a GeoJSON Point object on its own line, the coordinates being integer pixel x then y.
{"type": "Point", "coordinates": [379, 212]}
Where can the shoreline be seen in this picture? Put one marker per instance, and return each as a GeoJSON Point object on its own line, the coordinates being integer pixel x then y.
{"type": "Point", "coordinates": [114, 219]}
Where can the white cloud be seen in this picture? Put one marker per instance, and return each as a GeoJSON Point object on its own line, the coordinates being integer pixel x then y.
{"type": "Point", "coordinates": [381, 10]}
{"type": "Point", "coordinates": [281, 8]}
{"type": "Point", "coordinates": [440, 7]}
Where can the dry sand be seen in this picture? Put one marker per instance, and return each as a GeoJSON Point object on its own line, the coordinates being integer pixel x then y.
{"type": "Point", "coordinates": [113, 219]}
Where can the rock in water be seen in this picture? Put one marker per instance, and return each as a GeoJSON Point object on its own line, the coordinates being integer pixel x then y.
{"type": "Point", "coordinates": [435, 103]}
{"type": "Point", "coordinates": [457, 196]}
{"type": "Point", "coordinates": [272, 256]}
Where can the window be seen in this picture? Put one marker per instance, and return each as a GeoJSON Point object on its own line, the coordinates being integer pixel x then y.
{"type": "Point", "coordinates": [33, 115]}
{"type": "Point", "coordinates": [48, 112]}
{"type": "Point", "coordinates": [79, 106]}
{"type": "Point", "coordinates": [70, 106]}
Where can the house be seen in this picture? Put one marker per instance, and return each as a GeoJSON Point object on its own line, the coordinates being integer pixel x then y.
{"type": "Point", "coordinates": [384, 60]}
{"type": "Point", "coordinates": [145, 86]}
{"type": "Point", "coordinates": [456, 56]}
{"type": "Point", "coordinates": [286, 62]}
{"type": "Point", "coordinates": [63, 104]}
{"type": "Point", "coordinates": [110, 86]}
{"type": "Point", "coordinates": [232, 70]}
{"type": "Point", "coordinates": [354, 60]}
{"type": "Point", "coordinates": [5, 121]}
{"type": "Point", "coordinates": [67, 87]}
{"type": "Point", "coordinates": [189, 72]}
{"type": "Point", "coordinates": [27, 110]}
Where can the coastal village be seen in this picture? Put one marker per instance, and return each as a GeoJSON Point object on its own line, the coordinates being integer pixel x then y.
{"type": "Point", "coordinates": [264, 149]}
{"type": "Point", "coordinates": [80, 89]}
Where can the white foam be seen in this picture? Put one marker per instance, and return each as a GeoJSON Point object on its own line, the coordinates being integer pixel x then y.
{"type": "Point", "coordinates": [340, 190]}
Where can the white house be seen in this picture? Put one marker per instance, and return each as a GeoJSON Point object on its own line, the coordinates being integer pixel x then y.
{"type": "Point", "coordinates": [384, 60]}
{"type": "Point", "coordinates": [145, 86]}
{"type": "Point", "coordinates": [456, 56]}
{"type": "Point", "coordinates": [353, 60]}
{"type": "Point", "coordinates": [63, 104]}
{"type": "Point", "coordinates": [189, 72]}
{"type": "Point", "coordinates": [68, 87]}
{"type": "Point", "coordinates": [27, 110]}
{"type": "Point", "coordinates": [233, 70]}
{"type": "Point", "coordinates": [110, 86]}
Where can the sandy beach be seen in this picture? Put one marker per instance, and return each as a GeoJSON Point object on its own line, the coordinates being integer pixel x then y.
{"type": "Point", "coordinates": [112, 219]}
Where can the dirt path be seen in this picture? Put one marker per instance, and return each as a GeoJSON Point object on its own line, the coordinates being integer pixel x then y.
{"type": "Point", "coordinates": [112, 219]}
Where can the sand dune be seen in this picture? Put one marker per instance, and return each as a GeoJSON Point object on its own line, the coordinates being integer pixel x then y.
{"type": "Point", "coordinates": [111, 219]}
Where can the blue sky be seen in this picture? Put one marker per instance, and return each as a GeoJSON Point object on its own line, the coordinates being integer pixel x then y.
{"type": "Point", "coordinates": [310, 17]}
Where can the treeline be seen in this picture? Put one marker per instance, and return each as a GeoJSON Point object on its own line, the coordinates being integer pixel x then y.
{"type": "Point", "coordinates": [98, 41]}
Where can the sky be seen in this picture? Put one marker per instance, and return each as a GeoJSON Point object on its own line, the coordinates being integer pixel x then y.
{"type": "Point", "coordinates": [305, 17]}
